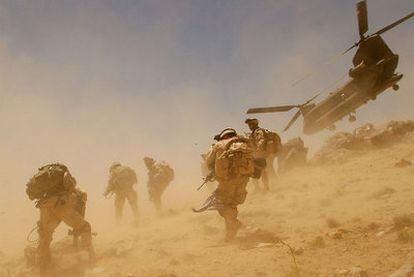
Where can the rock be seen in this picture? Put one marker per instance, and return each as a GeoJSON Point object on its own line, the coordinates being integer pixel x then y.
{"type": "Point", "coordinates": [404, 271]}
{"type": "Point", "coordinates": [380, 234]}
{"type": "Point", "coordinates": [383, 193]}
{"type": "Point", "coordinates": [357, 272]}
{"type": "Point", "coordinates": [96, 271]}
{"type": "Point", "coordinates": [337, 148]}
{"type": "Point", "coordinates": [338, 234]}
{"type": "Point", "coordinates": [373, 226]}
{"type": "Point", "coordinates": [264, 244]}
{"type": "Point", "coordinates": [341, 272]}
{"type": "Point", "coordinates": [403, 163]}
{"type": "Point", "coordinates": [393, 130]}
{"type": "Point", "coordinates": [317, 242]}
{"type": "Point", "coordinates": [365, 131]}
{"type": "Point", "coordinates": [332, 223]}
{"type": "Point", "coordinates": [298, 251]}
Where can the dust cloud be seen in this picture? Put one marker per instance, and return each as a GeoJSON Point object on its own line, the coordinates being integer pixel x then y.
{"type": "Point", "coordinates": [87, 92]}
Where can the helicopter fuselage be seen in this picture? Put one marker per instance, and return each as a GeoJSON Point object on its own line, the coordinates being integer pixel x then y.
{"type": "Point", "coordinates": [370, 81]}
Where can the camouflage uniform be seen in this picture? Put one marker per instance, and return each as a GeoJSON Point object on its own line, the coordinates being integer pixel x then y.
{"type": "Point", "coordinates": [258, 141]}
{"type": "Point", "coordinates": [121, 181]}
{"type": "Point", "coordinates": [67, 205]}
{"type": "Point", "coordinates": [229, 193]}
{"type": "Point", "coordinates": [293, 154]}
{"type": "Point", "coordinates": [159, 177]}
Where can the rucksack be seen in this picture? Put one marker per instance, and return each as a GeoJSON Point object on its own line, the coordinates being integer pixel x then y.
{"type": "Point", "coordinates": [167, 172]}
{"type": "Point", "coordinates": [273, 142]}
{"type": "Point", "coordinates": [51, 178]}
{"type": "Point", "coordinates": [125, 176]}
{"type": "Point", "coordinates": [235, 161]}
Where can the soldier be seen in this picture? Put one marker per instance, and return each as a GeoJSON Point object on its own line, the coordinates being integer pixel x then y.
{"type": "Point", "coordinates": [121, 181]}
{"type": "Point", "coordinates": [232, 162]}
{"type": "Point", "coordinates": [293, 154]}
{"type": "Point", "coordinates": [160, 176]}
{"type": "Point", "coordinates": [59, 199]}
{"type": "Point", "coordinates": [266, 144]}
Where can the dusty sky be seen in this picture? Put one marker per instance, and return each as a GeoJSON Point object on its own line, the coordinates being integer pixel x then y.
{"type": "Point", "coordinates": [89, 82]}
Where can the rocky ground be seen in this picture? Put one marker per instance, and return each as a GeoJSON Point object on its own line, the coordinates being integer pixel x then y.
{"type": "Point", "coordinates": [352, 216]}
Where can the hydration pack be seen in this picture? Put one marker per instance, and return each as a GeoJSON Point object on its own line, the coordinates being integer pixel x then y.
{"type": "Point", "coordinates": [124, 176]}
{"type": "Point", "coordinates": [273, 142]}
{"type": "Point", "coordinates": [167, 172]}
{"type": "Point", "coordinates": [236, 160]}
{"type": "Point", "coordinates": [50, 179]}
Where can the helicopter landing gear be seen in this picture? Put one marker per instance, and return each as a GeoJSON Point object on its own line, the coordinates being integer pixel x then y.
{"type": "Point", "coordinates": [352, 118]}
{"type": "Point", "coordinates": [332, 128]}
{"type": "Point", "coordinates": [395, 87]}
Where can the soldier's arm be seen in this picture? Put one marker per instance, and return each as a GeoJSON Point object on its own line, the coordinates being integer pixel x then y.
{"type": "Point", "coordinates": [260, 138]}
{"type": "Point", "coordinates": [210, 158]}
{"type": "Point", "coordinates": [110, 187]}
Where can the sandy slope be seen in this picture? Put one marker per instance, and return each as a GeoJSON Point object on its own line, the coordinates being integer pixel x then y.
{"type": "Point", "coordinates": [363, 195]}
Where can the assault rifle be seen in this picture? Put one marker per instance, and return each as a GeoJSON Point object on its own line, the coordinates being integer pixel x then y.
{"type": "Point", "coordinates": [208, 178]}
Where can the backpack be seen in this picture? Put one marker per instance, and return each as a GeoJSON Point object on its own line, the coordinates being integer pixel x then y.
{"type": "Point", "coordinates": [167, 172]}
{"type": "Point", "coordinates": [236, 160]}
{"type": "Point", "coordinates": [51, 178]}
{"type": "Point", "coordinates": [125, 176]}
{"type": "Point", "coordinates": [273, 142]}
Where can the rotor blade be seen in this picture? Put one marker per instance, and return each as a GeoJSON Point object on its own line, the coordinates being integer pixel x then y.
{"type": "Point", "coordinates": [294, 118]}
{"type": "Point", "coordinates": [392, 25]}
{"type": "Point", "coordinates": [310, 100]}
{"type": "Point", "coordinates": [271, 109]}
{"type": "Point", "coordinates": [362, 15]}
{"type": "Point", "coordinates": [350, 48]}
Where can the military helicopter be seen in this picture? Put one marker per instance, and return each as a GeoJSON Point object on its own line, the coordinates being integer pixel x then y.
{"type": "Point", "coordinates": [373, 72]}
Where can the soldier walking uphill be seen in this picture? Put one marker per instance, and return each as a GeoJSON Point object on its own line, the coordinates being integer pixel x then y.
{"type": "Point", "coordinates": [160, 176]}
{"type": "Point", "coordinates": [121, 181]}
{"type": "Point", "coordinates": [231, 160]}
{"type": "Point", "coordinates": [266, 144]}
{"type": "Point", "coordinates": [58, 199]}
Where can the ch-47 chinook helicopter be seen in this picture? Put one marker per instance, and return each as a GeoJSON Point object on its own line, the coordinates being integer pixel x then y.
{"type": "Point", "coordinates": [373, 72]}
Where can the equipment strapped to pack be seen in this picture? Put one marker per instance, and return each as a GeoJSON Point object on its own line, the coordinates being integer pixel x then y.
{"type": "Point", "coordinates": [51, 179]}
{"type": "Point", "coordinates": [211, 204]}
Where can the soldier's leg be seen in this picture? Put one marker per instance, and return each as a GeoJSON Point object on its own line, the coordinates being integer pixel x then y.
{"type": "Point", "coordinates": [157, 202]}
{"type": "Point", "coordinates": [155, 196]}
{"type": "Point", "coordinates": [229, 213]}
{"type": "Point", "coordinates": [228, 196]}
{"type": "Point", "coordinates": [271, 167]}
{"type": "Point", "coordinates": [119, 206]}
{"type": "Point", "coordinates": [46, 226]}
{"type": "Point", "coordinates": [67, 213]}
{"type": "Point", "coordinates": [133, 202]}
{"type": "Point", "coordinates": [265, 178]}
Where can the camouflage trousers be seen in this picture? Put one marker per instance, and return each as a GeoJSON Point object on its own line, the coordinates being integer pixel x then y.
{"type": "Point", "coordinates": [120, 197]}
{"type": "Point", "coordinates": [53, 211]}
{"type": "Point", "coordinates": [230, 194]}
{"type": "Point", "coordinates": [155, 193]}
{"type": "Point", "coordinates": [267, 174]}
